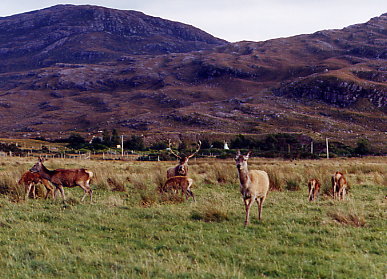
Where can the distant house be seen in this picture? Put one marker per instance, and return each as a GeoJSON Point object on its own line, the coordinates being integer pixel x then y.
{"type": "Point", "coordinates": [226, 145]}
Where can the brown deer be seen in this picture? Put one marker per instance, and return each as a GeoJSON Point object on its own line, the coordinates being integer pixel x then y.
{"type": "Point", "coordinates": [341, 188]}
{"type": "Point", "coordinates": [182, 168]}
{"type": "Point", "coordinates": [30, 179]}
{"type": "Point", "coordinates": [335, 180]}
{"type": "Point", "coordinates": [65, 178]}
{"type": "Point", "coordinates": [177, 183]}
{"type": "Point", "coordinates": [254, 185]}
{"type": "Point", "coordinates": [314, 189]}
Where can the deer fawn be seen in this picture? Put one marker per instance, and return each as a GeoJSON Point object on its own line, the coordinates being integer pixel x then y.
{"type": "Point", "coordinates": [30, 179]}
{"type": "Point", "coordinates": [314, 189]}
{"type": "Point", "coordinates": [177, 183]}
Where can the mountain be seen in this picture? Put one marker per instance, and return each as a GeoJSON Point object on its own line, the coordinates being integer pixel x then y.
{"type": "Point", "coordinates": [174, 78]}
{"type": "Point", "coordinates": [90, 34]}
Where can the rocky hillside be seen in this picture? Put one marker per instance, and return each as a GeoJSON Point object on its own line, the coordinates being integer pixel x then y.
{"type": "Point", "coordinates": [89, 34]}
{"type": "Point", "coordinates": [330, 83]}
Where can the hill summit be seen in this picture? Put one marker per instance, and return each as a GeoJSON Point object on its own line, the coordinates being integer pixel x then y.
{"type": "Point", "coordinates": [91, 34]}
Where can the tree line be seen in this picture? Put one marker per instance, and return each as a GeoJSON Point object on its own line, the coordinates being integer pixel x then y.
{"type": "Point", "coordinates": [292, 146]}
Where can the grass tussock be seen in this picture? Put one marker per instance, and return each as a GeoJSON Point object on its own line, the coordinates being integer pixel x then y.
{"type": "Point", "coordinates": [209, 214]}
{"type": "Point", "coordinates": [350, 219]}
{"type": "Point", "coordinates": [115, 185]}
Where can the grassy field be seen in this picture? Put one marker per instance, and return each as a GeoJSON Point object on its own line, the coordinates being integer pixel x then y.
{"type": "Point", "coordinates": [131, 232]}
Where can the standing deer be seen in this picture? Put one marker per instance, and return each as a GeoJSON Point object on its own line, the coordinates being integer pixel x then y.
{"type": "Point", "coordinates": [182, 168]}
{"type": "Point", "coordinates": [314, 189]}
{"type": "Point", "coordinates": [177, 183]}
{"type": "Point", "coordinates": [30, 179]}
{"type": "Point", "coordinates": [335, 180]}
{"type": "Point", "coordinates": [254, 185]}
{"type": "Point", "coordinates": [65, 178]}
{"type": "Point", "coordinates": [341, 188]}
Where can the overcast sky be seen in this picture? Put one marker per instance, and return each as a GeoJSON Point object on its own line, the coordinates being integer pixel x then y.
{"type": "Point", "coordinates": [236, 20]}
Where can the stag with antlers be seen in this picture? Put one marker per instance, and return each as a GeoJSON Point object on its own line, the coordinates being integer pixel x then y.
{"type": "Point", "coordinates": [182, 168]}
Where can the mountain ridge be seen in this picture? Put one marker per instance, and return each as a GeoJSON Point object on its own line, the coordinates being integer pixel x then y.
{"type": "Point", "coordinates": [317, 84]}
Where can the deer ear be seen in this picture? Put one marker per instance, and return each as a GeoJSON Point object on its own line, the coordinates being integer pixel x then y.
{"type": "Point", "coordinates": [248, 155]}
{"type": "Point", "coordinates": [41, 159]}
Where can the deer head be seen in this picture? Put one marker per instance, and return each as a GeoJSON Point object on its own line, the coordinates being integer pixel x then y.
{"type": "Point", "coordinates": [183, 160]}
{"type": "Point", "coordinates": [38, 166]}
{"type": "Point", "coordinates": [241, 160]}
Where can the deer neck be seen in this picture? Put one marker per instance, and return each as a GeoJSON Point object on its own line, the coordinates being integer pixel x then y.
{"type": "Point", "coordinates": [244, 176]}
{"type": "Point", "coordinates": [46, 173]}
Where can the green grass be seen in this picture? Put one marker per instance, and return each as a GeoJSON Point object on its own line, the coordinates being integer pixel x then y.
{"type": "Point", "coordinates": [117, 237]}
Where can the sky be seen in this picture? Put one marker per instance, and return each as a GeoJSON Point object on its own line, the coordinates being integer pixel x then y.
{"type": "Point", "coordinates": [236, 20]}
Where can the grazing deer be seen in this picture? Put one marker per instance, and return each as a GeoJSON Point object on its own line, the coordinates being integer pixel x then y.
{"type": "Point", "coordinates": [177, 183]}
{"type": "Point", "coordinates": [65, 178]}
{"type": "Point", "coordinates": [254, 185]}
{"type": "Point", "coordinates": [335, 180]}
{"type": "Point", "coordinates": [30, 179]}
{"type": "Point", "coordinates": [341, 188]}
{"type": "Point", "coordinates": [182, 168]}
{"type": "Point", "coordinates": [314, 189]}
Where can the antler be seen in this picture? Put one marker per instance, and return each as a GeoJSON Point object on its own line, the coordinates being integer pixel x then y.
{"type": "Point", "coordinates": [197, 150]}
{"type": "Point", "coordinates": [170, 149]}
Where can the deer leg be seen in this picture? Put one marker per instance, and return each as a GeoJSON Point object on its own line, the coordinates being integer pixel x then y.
{"type": "Point", "coordinates": [310, 194]}
{"type": "Point", "coordinates": [28, 188]}
{"type": "Point", "coordinates": [33, 189]}
{"type": "Point", "coordinates": [87, 191]}
{"type": "Point", "coordinates": [260, 205]}
{"type": "Point", "coordinates": [248, 204]}
{"type": "Point", "coordinates": [191, 194]}
{"type": "Point", "coordinates": [60, 188]}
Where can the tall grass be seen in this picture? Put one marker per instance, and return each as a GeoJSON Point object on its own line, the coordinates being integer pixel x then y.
{"type": "Point", "coordinates": [136, 233]}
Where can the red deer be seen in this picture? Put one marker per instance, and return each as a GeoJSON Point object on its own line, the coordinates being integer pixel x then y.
{"type": "Point", "coordinates": [254, 185]}
{"type": "Point", "coordinates": [177, 183]}
{"type": "Point", "coordinates": [341, 188]}
{"type": "Point", "coordinates": [65, 178]}
{"type": "Point", "coordinates": [335, 180]}
{"type": "Point", "coordinates": [29, 179]}
{"type": "Point", "coordinates": [314, 189]}
{"type": "Point", "coordinates": [182, 168]}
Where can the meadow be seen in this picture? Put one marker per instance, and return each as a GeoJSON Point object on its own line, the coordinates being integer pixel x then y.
{"type": "Point", "coordinates": [130, 231]}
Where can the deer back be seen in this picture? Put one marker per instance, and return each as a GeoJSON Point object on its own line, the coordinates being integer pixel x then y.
{"type": "Point", "coordinates": [70, 177]}
{"type": "Point", "coordinates": [259, 182]}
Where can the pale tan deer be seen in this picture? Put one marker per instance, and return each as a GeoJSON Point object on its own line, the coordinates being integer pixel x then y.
{"type": "Point", "coordinates": [30, 179]}
{"type": "Point", "coordinates": [335, 180]}
{"type": "Point", "coordinates": [65, 178]}
{"type": "Point", "coordinates": [314, 189]}
{"type": "Point", "coordinates": [177, 183]}
{"type": "Point", "coordinates": [182, 168]}
{"type": "Point", "coordinates": [254, 185]}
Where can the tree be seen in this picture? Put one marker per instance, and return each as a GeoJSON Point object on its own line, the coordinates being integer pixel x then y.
{"type": "Point", "coordinates": [217, 144]}
{"type": "Point", "coordinates": [159, 145]}
{"type": "Point", "coordinates": [135, 143]}
{"type": "Point", "coordinates": [115, 139]}
{"type": "Point", "coordinates": [76, 141]}
{"type": "Point", "coordinates": [106, 139]}
{"type": "Point", "coordinates": [363, 147]}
